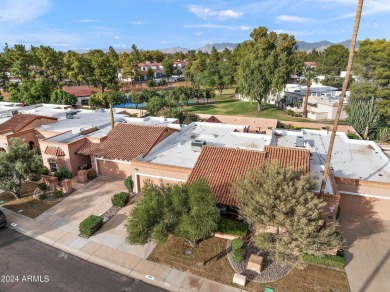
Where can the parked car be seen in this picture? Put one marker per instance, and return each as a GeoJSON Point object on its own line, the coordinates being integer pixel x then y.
{"type": "Point", "coordinates": [3, 219]}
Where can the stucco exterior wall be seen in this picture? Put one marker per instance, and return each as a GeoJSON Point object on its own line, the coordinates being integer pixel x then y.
{"type": "Point", "coordinates": [365, 206]}
{"type": "Point", "coordinates": [111, 168]}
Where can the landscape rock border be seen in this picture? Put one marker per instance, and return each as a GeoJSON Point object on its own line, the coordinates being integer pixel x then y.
{"type": "Point", "coordinates": [271, 270]}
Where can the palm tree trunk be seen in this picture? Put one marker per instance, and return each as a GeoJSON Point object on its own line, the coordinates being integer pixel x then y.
{"type": "Point", "coordinates": [111, 116]}
{"type": "Point", "coordinates": [341, 99]}
{"type": "Point", "coordinates": [306, 100]}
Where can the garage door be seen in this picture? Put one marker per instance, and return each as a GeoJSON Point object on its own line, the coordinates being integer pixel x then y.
{"type": "Point", "coordinates": [113, 168]}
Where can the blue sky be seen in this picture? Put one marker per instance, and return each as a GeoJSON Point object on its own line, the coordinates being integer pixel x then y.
{"type": "Point", "coordinates": [157, 24]}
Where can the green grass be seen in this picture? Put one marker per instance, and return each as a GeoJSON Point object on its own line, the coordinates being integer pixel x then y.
{"type": "Point", "coordinates": [227, 105]}
{"type": "Point", "coordinates": [336, 261]}
{"type": "Point", "coordinates": [232, 227]}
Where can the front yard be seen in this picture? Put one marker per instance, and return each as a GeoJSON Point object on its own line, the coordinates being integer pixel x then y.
{"type": "Point", "coordinates": [209, 260]}
{"type": "Point", "coordinates": [26, 204]}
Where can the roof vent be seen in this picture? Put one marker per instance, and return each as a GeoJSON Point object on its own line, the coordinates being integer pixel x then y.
{"type": "Point", "coordinates": [300, 142]}
{"type": "Point", "coordinates": [71, 114]}
{"type": "Point", "coordinates": [196, 145]}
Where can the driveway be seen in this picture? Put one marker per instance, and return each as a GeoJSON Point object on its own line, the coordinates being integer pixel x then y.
{"type": "Point", "coordinates": [368, 253]}
{"type": "Point", "coordinates": [94, 198]}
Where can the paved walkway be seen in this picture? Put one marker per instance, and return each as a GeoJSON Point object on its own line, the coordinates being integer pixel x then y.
{"type": "Point", "coordinates": [106, 250]}
{"type": "Point", "coordinates": [367, 257]}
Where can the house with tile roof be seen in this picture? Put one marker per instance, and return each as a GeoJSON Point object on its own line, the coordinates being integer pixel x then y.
{"type": "Point", "coordinates": [83, 93]}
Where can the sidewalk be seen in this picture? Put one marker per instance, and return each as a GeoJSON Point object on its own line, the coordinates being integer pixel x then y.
{"type": "Point", "coordinates": [114, 259]}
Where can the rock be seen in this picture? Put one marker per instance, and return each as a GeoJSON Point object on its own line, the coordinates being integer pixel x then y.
{"type": "Point", "coordinates": [239, 279]}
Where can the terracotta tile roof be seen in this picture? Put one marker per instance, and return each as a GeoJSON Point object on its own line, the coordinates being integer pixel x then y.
{"type": "Point", "coordinates": [125, 142]}
{"type": "Point", "coordinates": [212, 119]}
{"type": "Point", "coordinates": [293, 157]}
{"type": "Point", "coordinates": [56, 151]}
{"type": "Point", "coordinates": [18, 122]}
{"type": "Point", "coordinates": [78, 91]}
{"type": "Point", "coordinates": [221, 166]}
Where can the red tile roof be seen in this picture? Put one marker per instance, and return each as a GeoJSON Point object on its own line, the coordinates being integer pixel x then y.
{"type": "Point", "coordinates": [56, 151]}
{"type": "Point", "coordinates": [18, 122]}
{"type": "Point", "coordinates": [125, 142]}
{"type": "Point", "coordinates": [222, 166]}
{"type": "Point", "coordinates": [78, 91]}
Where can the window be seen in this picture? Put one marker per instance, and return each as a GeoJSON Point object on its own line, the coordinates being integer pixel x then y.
{"type": "Point", "coordinates": [52, 164]}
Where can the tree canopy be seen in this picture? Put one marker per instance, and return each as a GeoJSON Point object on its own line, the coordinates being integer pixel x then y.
{"type": "Point", "coordinates": [184, 210]}
{"type": "Point", "coordinates": [31, 91]}
{"type": "Point", "coordinates": [59, 96]}
{"type": "Point", "coordinates": [284, 198]}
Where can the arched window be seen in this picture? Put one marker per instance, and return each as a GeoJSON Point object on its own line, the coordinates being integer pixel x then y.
{"type": "Point", "coordinates": [53, 164]}
{"type": "Point", "coordinates": [31, 145]}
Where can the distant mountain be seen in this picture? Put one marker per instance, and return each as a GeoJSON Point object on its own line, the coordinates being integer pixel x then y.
{"type": "Point", "coordinates": [219, 46]}
{"type": "Point", "coordinates": [174, 50]}
{"type": "Point", "coordinates": [322, 45]}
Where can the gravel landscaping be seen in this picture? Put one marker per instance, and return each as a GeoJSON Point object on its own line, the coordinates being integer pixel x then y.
{"type": "Point", "coordinates": [271, 270]}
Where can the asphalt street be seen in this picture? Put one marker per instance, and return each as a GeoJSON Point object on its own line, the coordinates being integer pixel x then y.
{"type": "Point", "coordinates": [29, 265]}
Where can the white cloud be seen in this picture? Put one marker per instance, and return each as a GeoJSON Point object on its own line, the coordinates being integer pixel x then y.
{"type": "Point", "coordinates": [199, 33]}
{"type": "Point", "coordinates": [86, 20]}
{"type": "Point", "coordinates": [136, 22]}
{"type": "Point", "coordinates": [212, 25]}
{"type": "Point", "coordinates": [23, 10]}
{"type": "Point", "coordinates": [164, 42]}
{"type": "Point", "coordinates": [291, 19]}
{"type": "Point", "coordinates": [206, 13]}
{"type": "Point", "coordinates": [119, 46]}
{"type": "Point", "coordinates": [117, 37]}
{"type": "Point", "coordinates": [370, 7]}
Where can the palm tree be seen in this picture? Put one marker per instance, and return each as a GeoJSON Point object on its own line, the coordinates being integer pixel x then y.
{"type": "Point", "coordinates": [308, 78]}
{"type": "Point", "coordinates": [341, 99]}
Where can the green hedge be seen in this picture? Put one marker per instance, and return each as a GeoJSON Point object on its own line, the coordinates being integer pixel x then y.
{"type": "Point", "coordinates": [90, 225]}
{"type": "Point", "coordinates": [336, 261]}
{"type": "Point", "coordinates": [238, 255]}
{"type": "Point", "coordinates": [237, 243]}
{"type": "Point", "coordinates": [120, 199]}
{"type": "Point", "coordinates": [57, 194]}
{"type": "Point", "coordinates": [129, 184]}
{"type": "Point", "coordinates": [42, 186]}
{"type": "Point", "coordinates": [63, 173]}
{"type": "Point", "coordinates": [91, 175]}
{"type": "Point", "coordinates": [233, 227]}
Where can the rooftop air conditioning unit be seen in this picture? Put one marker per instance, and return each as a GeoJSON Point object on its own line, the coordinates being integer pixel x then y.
{"type": "Point", "coordinates": [196, 145]}
{"type": "Point", "coordinates": [70, 115]}
{"type": "Point", "coordinates": [12, 113]}
{"type": "Point", "coordinates": [300, 142]}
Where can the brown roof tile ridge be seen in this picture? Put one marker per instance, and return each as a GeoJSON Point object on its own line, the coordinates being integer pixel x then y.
{"type": "Point", "coordinates": [286, 148]}
{"type": "Point", "coordinates": [160, 166]}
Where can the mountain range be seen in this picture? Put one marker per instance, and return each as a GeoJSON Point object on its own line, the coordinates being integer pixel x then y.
{"type": "Point", "coordinates": [302, 46]}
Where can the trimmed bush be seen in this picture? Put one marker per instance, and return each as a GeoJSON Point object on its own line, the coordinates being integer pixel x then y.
{"type": "Point", "coordinates": [120, 199]}
{"type": "Point", "coordinates": [237, 243]}
{"type": "Point", "coordinates": [151, 83]}
{"type": "Point", "coordinates": [263, 241]}
{"type": "Point", "coordinates": [233, 227]}
{"type": "Point", "coordinates": [42, 197]}
{"type": "Point", "coordinates": [42, 186]}
{"type": "Point", "coordinates": [63, 173]}
{"type": "Point", "coordinates": [91, 175]}
{"type": "Point", "coordinates": [90, 225]}
{"type": "Point", "coordinates": [129, 184]}
{"type": "Point", "coordinates": [57, 194]}
{"type": "Point", "coordinates": [336, 261]}
{"type": "Point", "coordinates": [45, 170]}
{"type": "Point", "coordinates": [238, 255]}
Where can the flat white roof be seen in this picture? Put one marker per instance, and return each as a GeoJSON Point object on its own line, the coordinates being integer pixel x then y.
{"type": "Point", "coordinates": [351, 158]}
{"type": "Point", "coordinates": [176, 149]}
{"type": "Point", "coordinates": [150, 121]}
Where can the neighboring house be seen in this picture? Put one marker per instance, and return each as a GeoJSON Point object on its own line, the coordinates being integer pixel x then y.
{"type": "Point", "coordinates": [312, 65]}
{"type": "Point", "coordinates": [158, 68]}
{"type": "Point", "coordinates": [179, 66]}
{"type": "Point", "coordinates": [22, 127]}
{"type": "Point", "coordinates": [83, 93]}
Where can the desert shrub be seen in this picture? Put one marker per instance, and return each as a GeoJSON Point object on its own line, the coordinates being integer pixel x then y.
{"type": "Point", "coordinates": [151, 83]}
{"type": "Point", "coordinates": [336, 261]}
{"type": "Point", "coordinates": [63, 173]}
{"type": "Point", "coordinates": [57, 194]}
{"type": "Point", "coordinates": [263, 241]}
{"type": "Point", "coordinates": [90, 225]}
{"type": "Point", "coordinates": [233, 227]}
{"type": "Point", "coordinates": [129, 184]}
{"type": "Point", "coordinates": [45, 170]}
{"type": "Point", "coordinates": [237, 243]}
{"type": "Point", "coordinates": [238, 255]}
{"type": "Point", "coordinates": [42, 186]}
{"type": "Point", "coordinates": [120, 199]}
{"type": "Point", "coordinates": [91, 174]}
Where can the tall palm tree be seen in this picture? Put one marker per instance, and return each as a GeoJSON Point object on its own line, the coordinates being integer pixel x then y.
{"type": "Point", "coordinates": [341, 99]}
{"type": "Point", "coordinates": [309, 76]}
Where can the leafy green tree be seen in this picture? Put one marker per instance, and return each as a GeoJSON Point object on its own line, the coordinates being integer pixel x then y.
{"type": "Point", "coordinates": [104, 70]}
{"type": "Point", "coordinates": [313, 56]}
{"type": "Point", "coordinates": [4, 68]}
{"type": "Point", "coordinates": [372, 71]}
{"type": "Point", "coordinates": [284, 198]}
{"type": "Point", "coordinates": [98, 100]}
{"type": "Point", "coordinates": [137, 98]}
{"type": "Point", "coordinates": [184, 210]}
{"type": "Point", "coordinates": [20, 61]}
{"type": "Point", "coordinates": [155, 104]}
{"type": "Point", "coordinates": [196, 64]}
{"type": "Point", "coordinates": [149, 73]}
{"type": "Point", "coordinates": [299, 59]}
{"type": "Point", "coordinates": [266, 64]}
{"type": "Point", "coordinates": [167, 67]}
{"type": "Point", "coordinates": [333, 60]}
{"type": "Point", "coordinates": [61, 97]}
{"type": "Point", "coordinates": [31, 91]}
{"type": "Point", "coordinates": [363, 116]}
{"type": "Point", "coordinates": [18, 165]}
{"type": "Point", "coordinates": [77, 68]}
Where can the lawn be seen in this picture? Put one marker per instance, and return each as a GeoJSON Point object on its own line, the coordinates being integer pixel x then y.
{"type": "Point", "coordinates": [217, 267]}
{"type": "Point", "coordinates": [26, 204]}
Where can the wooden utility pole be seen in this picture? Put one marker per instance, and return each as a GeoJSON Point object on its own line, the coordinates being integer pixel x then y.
{"type": "Point", "coordinates": [341, 99]}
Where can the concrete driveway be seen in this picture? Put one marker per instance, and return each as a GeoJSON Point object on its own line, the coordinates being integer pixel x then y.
{"type": "Point", "coordinates": [94, 198]}
{"type": "Point", "coordinates": [368, 253]}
